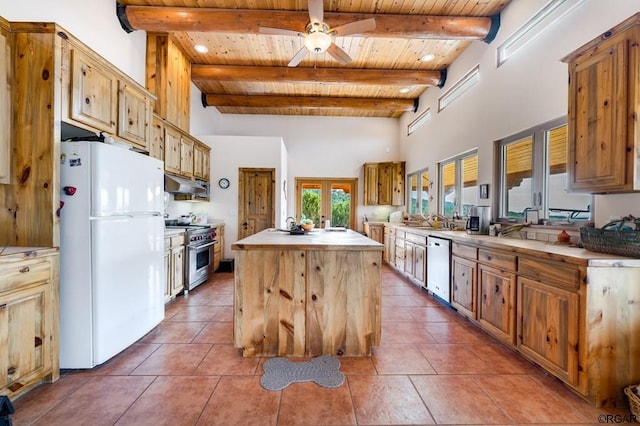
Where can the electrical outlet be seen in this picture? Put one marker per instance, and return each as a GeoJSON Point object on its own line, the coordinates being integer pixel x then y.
{"type": "Point", "coordinates": [531, 235]}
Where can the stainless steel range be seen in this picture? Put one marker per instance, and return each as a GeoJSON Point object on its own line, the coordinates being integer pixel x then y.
{"type": "Point", "coordinates": [200, 241]}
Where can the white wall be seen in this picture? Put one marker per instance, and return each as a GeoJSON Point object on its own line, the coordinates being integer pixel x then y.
{"type": "Point", "coordinates": [94, 22]}
{"type": "Point", "coordinates": [529, 89]}
{"type": "Point", "coordinates": [228, 154]}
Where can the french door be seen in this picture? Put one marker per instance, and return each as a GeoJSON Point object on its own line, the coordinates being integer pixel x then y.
{"type": "Point", "coordinates": [327, 199]}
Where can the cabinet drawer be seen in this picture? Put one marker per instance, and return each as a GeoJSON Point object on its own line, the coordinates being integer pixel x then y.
{"type": "Point", "coordinates": [400, 234]}
{"type": "Point", "coordinates": [497, 259]}
{"type": "Point", "coordinates": [418, 239]}
{"type": "Point", "coordinates": [465, 251]}
{"type": "Point", "coordinates": [556, 274]}
{"type": "Point", "coordinates": [399, 243]}
{"type": "Point", "coordinates": [16, 275]}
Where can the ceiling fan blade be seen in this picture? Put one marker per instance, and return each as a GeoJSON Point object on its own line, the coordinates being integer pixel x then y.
{"type": "Point", "coordinates": [356, 27]}
{"type": "Point", "coordinates": [298, 57]}
{"type": "Point", "coordinates": [316, 12]}
{"type": "Point", "coordinates": [338, 54]}
{"type": "Point", "coordinates": [280, 31]}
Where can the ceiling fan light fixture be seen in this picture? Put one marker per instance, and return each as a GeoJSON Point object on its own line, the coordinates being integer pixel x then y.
{"type": "Point", "coordinates": [317, 42]}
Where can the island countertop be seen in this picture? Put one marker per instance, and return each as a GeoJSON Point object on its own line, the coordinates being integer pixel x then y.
{"type": "Point", "coordinates": [316, 239]}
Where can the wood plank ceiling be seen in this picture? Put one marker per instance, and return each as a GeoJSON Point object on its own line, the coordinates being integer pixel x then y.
{"type": "Point", "coordinates": [245, 72]}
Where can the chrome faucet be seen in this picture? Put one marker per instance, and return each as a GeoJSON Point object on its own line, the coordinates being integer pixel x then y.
{"type": "Point", "coordinates": [291, 222]}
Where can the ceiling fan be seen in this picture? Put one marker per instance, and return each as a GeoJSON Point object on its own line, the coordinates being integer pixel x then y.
{"type": "Point", "coordinates": [318, 36]}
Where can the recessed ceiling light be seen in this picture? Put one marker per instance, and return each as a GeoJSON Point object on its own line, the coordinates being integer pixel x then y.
{"type": "Point", "coordinates": [404, 90]}
{"type": "Point", "coordinates": [201, 48]}
{"type": "Point", "coordinates": [428, 57]}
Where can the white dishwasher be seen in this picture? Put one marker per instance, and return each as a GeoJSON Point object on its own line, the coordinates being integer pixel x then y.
{"type": "Point", "coordinates": [439, 267]}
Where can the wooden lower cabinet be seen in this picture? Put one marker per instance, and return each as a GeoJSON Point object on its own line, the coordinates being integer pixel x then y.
{"type": "Point", "coordinates": [28, 323]}
{"type": "Point", "coordinates": [218, 249]}
{"type": "Point", "coordinates": [464, 286]}
{"type": "Point", "coordinates": [497, 302]}
{"type": "Point", "coordinates": [389, 245]}
{"type": "Point", "coordinates": [548, 327]}
{"type": "Point", "coordinates": [174, 266]}
{"type": "Point", "coordinates": [374, 231]}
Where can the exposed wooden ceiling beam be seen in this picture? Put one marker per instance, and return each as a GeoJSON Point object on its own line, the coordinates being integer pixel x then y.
{"type": "Point", "coordinates": [308, 102]}
{"type": "Point", "coordinates": [166, 19]}
{"type": "Point", "coordinates": [318, 75]}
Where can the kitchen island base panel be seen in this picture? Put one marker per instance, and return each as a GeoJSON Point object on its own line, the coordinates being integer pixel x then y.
{"type": "Point", "coordinates": [307, 302]}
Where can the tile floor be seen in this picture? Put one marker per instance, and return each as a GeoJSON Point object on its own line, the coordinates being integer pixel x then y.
{"type": "Point", "coordinates": [433, 367]}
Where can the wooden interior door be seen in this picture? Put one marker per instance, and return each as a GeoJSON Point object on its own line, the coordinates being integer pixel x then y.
{"type": "Point", "coordinates": [256, 204]}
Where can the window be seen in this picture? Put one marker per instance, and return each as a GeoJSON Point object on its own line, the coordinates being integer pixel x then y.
{"type": "Point", "coordinates": [419, 122]}
{"type": "Point", "coordinates": [321, 199]}
{"type": "Point", "coordinates": [459, 88]}
{"type": "Point", "coordinates": [533, 176]}
{"type": "Point", "coordinates": [418, 185]}
{"type": "Point", "coordinates": [458, 178]}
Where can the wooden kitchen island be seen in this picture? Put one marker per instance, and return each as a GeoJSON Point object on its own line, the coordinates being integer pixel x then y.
{"type": "Point", "coordinates": [307, 295]}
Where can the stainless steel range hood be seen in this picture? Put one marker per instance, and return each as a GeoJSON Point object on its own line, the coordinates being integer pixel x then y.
{"type": "Point", "coordinates": [178, 185]}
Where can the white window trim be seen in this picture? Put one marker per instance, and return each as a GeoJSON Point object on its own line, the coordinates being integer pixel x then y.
{"type": "Point", "coordinates": [420, 121]}
{"type": "Point", "coordinates": [459, 88]}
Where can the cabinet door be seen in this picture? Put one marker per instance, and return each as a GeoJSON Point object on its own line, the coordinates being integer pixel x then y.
{"type": "Point", "coordinates": [408, 258]}
{"type": "Point", "coordinates": [5, 111]}
{"type": "Point", "coordinates": [168, 274]}
{"type": "Point", "coordinates": [371, 184]}
{"type": "Point", "coordinates": [598, 159]}
{"type": "Point", "coordinates": [177, 263]}
{"type": "Point", "coordinates": [24, 325]}
{"type": "Point", "coordinates": [377, 233]}
{"type": "Point", "coordinates": [419, 263]}
{"type": "Point", "coordinates": [385, 183]}
{"type": "Point", "coordinates": [156, 140]}
{"type": "Point", "coordinates": [201, 161]}
{"type": "Point", "coordinates": [172, 142]}
{"type": "Point", "coordinates": [186, 157]}
{"type": "Point", "coordinates": [94, 93]}
{"type": "Point", "coordinates": [134, 116]}
{"type": "Point", "coordinates": [496, 308]}
{"type": "Point", "coordinates": [548, 327]}
{"type": "Point", "coordinates": [464, 286]}
{"type": "Point", "coordinates": [398, 184]}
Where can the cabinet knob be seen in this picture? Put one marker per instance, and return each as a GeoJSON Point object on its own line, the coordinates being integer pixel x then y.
{"type": "Point", "coordinates": [38, 342]}
{"type": "Point", "coordinates": [25, 269]}
{"type": "Point", "coordinates": [11, 370]}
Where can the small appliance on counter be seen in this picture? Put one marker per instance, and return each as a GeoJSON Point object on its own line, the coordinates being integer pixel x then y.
{"type": "Point", "coordinates": [479, 220]}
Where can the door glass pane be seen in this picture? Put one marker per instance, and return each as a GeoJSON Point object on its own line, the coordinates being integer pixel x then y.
{"type": "Point", "coordinates": [340, 204]}
{"type": "Point", "coordinates": [517, 175]}
{"type": "Point", "coordinates": [562, 205]}
{"type": "Point", "coordinates": [424, 192]}
{"type": "Point", "coordinates": [311, 202]}
{"type": "Point", "coordinates": [413, 194]}
{"type": "Point", "coordinates": [448, 179]}
{"type": "Point", "coordinates": [470, 190]}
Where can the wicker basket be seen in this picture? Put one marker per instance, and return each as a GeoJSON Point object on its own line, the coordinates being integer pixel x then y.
{"type": "Point", "coordinates": [634, 401]}
{"type": "Point", "coordinates": [612, 239]}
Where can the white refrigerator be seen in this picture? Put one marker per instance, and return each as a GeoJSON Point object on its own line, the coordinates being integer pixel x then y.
{"type": "Point", "coordinates": [111, 250]}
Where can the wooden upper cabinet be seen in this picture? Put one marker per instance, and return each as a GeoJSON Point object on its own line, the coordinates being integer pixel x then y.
{"type": "Point", "coordinates": [94, 93]}
{"type": "Point", "coordinates": [201, 154]}
{"type": "Point", "coordinates": [5, 108]}
{"type": "Point", "coordinates": [156, 139]}
{"type": "Point", "coordinates": [172, 151]}
{"type": "Point", "coordinates": [604, 103]}
{"type": "Point", "coordinates": [186, 156]}
{"type": "Point", "coordinates": [134, 115]}
{"type": "Point", "coordinates": [384, 183]}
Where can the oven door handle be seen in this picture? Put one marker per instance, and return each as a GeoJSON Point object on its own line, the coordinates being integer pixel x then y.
{"type": "Point", "coordinates": [202, 246]}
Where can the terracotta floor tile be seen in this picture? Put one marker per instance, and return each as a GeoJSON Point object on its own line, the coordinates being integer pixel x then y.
{"type": "Point", "coordinates": [433, 314]}
{"type": "Point", "coordinates": [527, 401]}
{"type": "Point", "coordinates": [502, 360]}
{"type": "Point", "coordinates": [228, 361]}
{"type": "Point", "coordinates": [458, 400]}
{"type": "Point", "coordinates": [222, 300]}
{"type": "Point", "coordinates": [126, 361]}
{"type": "Point", "coordinates": [387, 400]}
{"type": "Point", "coordinates": [357, 366]}
{"type": "Point", "coordinates": [225, 313]}
{"type": "Point", "coordinates": [400, 291]}
{"type": "Point", "coordinates": [195, 297]}
{"type": "Point", "coordinates": [174, 332]}
{"type": "Point", "coordinates": [243, 401]}
{"type": "Point", "coordinates": [32, 405]}
{"type": "Point", "coordinates": [216, 332]}
{"type": "Point", "coordinates": [195, 313]}
{"type": "Point", "coordinates": [400, 359]}
{"type": "Point", "coordinates": [454, 359]}
{"type": "Point", "coordinates": [395, 314]}
{"type": "Point", "coordinates": [173, 359]}
{"type": "Point", "coordinates": [405, 332]}
{"type": "Point", "coordinates": [101, 401]}
{"type": "Point", "coordinates": [310, 404]}
{"type": "Point", "coordinates": [401, 301]}
{"type": "Point", "coordinates": [449, 332]}
{"type": "Point", "coordinates": [175, 400]}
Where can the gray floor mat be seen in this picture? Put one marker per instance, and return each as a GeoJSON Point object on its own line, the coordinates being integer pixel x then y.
{"type": "Point", "coordinates": [280, 372]}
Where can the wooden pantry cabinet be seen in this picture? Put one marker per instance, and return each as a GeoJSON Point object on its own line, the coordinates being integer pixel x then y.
{"type": "Point", "coordinates": [29, 291]}
{"type": "Point", "coordinates": [604, 103]}
{"type": "Point", "coordinates": [384, 183]}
